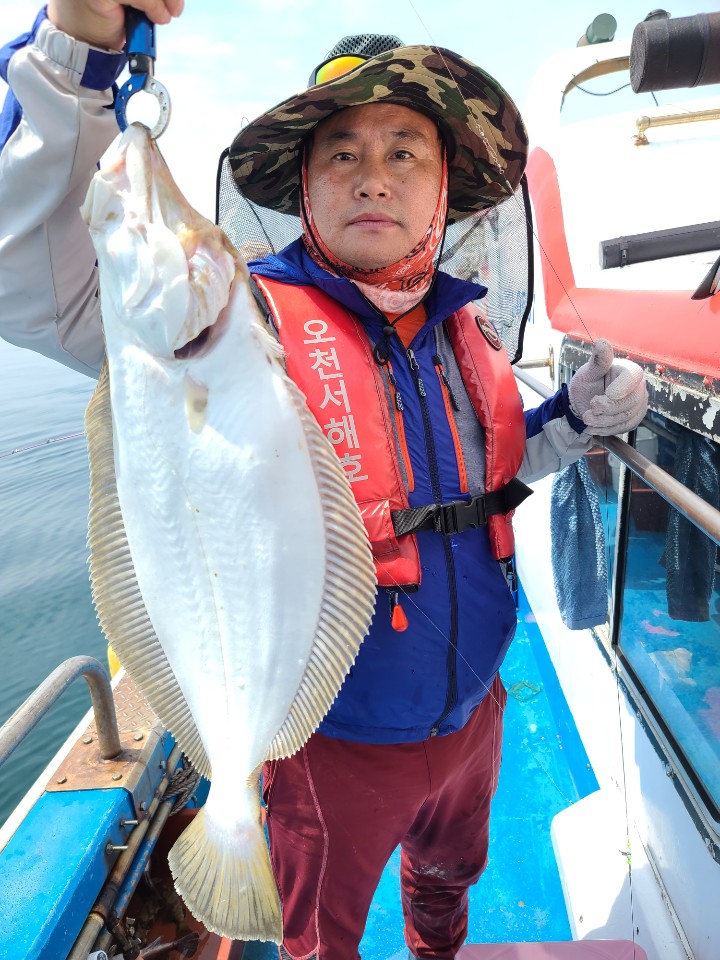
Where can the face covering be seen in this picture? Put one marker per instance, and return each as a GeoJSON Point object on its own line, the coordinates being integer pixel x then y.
{"type": "Point", "coordinates": [398, 287]}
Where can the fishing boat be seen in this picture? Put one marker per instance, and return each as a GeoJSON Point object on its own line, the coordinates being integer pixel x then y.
{"type": "Point", "coordinates": [606, 826]}
{"type": "Point", "coordinates": [626, 256]}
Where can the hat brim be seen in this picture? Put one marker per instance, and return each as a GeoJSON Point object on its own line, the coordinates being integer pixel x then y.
{"type": "Point", "coordinates": [484, 134]}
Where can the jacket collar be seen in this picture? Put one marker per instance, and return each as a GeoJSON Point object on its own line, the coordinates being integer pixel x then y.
{"type": "Point", "coordinates": [294, 265]}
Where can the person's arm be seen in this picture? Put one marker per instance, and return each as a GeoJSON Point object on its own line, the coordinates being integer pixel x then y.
{"type": "Point", "coordinates": [555, 438]}
{"type": "Point", "coordinates": [605, 397]}
{"type": "Point", "coordinates": [56, 124]}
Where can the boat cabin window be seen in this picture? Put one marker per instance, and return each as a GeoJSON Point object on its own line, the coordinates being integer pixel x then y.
{"type": "Point", "coordinates": [668, 612]}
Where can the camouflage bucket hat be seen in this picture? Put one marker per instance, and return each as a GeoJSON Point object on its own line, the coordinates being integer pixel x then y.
{"type": "Point", "coordinates": [484, 134]}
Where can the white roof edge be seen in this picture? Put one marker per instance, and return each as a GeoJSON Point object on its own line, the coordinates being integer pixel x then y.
{"type": "Point", "coordinates": [542, 108]}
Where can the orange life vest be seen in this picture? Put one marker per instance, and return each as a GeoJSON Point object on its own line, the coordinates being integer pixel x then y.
{"type": "Point", "coordinates": [329, 356]}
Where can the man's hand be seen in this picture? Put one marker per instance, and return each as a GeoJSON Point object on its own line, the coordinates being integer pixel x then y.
{"type": "Point", "coordinates": [608, 395]}
{"type": "Point", "coordinates": [101, 23]}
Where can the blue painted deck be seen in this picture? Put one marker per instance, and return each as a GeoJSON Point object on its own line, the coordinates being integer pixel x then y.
{"type": "Point", "coordinates": [545, 769]}
{"type": "Point", "coordinates": [53, 869]}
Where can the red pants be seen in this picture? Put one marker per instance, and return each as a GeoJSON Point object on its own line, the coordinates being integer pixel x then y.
{"type": "Point", "coordinates": [337, 810]}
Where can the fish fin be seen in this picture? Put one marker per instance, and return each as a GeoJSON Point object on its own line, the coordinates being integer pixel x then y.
{"type": "Point", "coordinates": [270, 344]}
{"type": "Point", "coordinates": [349, 593]}
{"type": "Point", "coordinates": [225, 878]}
{"type": "Point", "coordinates": [119, 605]}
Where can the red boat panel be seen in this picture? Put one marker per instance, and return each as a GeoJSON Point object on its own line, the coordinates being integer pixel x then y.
{"type": "Point", "coordinates": [665, 327]}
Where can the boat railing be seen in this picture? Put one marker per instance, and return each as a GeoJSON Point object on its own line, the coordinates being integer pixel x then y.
{"type": "Point", "coordinates": [29, 714]}
{"type": "Point", "coordinates": [599, 68]}
{"type": "Point", "coordinates": [689, 116]}
{"type": "Point", "coordinates": [689, 504]}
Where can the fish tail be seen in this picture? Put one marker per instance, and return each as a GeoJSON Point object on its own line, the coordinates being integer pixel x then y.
{"type": "Point", "coordinates": [225, 878]}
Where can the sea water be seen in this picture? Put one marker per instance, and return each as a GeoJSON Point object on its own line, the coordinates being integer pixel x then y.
{"type": "Point", "coordinates": [46, 612]}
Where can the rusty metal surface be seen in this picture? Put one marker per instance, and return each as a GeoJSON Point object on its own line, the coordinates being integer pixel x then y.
{"type": "Point", "coordinates": [690, 399]}
{"type": "Point", "coordinates": [138, 767]}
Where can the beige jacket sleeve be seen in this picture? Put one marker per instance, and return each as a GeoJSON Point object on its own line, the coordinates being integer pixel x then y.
{"type": "Point", "coordinates": [48, 277]}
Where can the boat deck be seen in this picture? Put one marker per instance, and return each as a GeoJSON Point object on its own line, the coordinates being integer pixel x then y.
{"type": "Point", "coordinates": [545, 770]}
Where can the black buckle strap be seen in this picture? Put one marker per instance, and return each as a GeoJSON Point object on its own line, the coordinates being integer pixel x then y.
{"type": "Point", "coordinates": [460, 515]}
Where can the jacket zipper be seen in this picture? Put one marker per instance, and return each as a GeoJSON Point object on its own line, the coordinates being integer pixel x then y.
{"type": "Point", "coordinates": [398, 408]}
{"type": "Point", "coordinates": [451, 694]}
{"type": "Point", "coordinates": [451, 404]}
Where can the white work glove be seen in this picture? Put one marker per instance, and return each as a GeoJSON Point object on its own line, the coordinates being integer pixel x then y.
{"type": "Point", "coordinates": [608, 395]}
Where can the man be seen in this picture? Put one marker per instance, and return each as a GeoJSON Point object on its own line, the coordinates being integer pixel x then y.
{"type": "Point", "coordinates": [410, 385]}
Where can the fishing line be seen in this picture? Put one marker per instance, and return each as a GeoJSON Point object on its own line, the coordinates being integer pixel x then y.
{"type": "Point", "coordinates": [407, 598]}
{"type": "Point", "coordinates": [41, 443]}
{"type": "Point", "coordinates": [598, 93]}
{"type": "Point", "coordinates": [495, 159]}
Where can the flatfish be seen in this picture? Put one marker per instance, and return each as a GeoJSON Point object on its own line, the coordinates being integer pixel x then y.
{"type": "Point", "coordinates": [229, 564]}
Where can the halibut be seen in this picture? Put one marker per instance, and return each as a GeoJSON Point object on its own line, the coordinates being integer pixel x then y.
{"type": "Point", "coordinates": [230, 568]}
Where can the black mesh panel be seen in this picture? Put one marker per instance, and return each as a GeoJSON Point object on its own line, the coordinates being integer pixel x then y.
{"type": "Point", "coordinates": [364, 45]}
{"type": "Point", "coordinates": [493, 248]}
{"type": "Point", "coordinates": [255, 231]}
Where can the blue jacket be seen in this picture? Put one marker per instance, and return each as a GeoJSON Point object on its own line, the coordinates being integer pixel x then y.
{"type": "Point", "coordinates": [405, 687]}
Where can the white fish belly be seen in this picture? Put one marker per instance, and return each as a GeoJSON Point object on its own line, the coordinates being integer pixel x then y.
{"type": "Point", "coordinates": [242, 538]}
{"type": "Point", "coordinates": [226, 532]}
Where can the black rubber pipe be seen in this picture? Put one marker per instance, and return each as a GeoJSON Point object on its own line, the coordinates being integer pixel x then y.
{"type": "Point", "coordinates": [668, 54]}
{"type": "Point", "coordinates": [675, 242]}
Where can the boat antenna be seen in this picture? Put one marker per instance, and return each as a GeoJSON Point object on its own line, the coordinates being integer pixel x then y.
{"type": "Point", "coordinates": [601, 30]}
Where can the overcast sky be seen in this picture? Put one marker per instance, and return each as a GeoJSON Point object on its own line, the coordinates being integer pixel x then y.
{"type": "Point", "coordinates": [224, 61]}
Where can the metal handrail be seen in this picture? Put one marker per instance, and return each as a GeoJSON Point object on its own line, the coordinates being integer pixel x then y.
{"type": "Point", "coordinates": [29, 714]}
{"type": "Point", "coordinates": [692, 116]}
{"type": "Point", "coordinates": [689, 504]}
